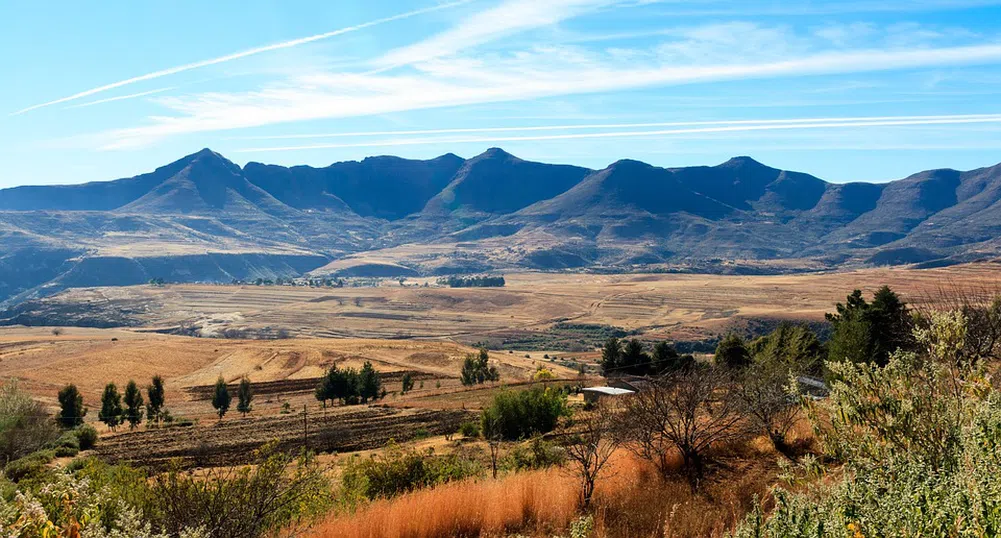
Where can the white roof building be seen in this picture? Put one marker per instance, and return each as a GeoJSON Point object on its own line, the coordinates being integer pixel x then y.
{"type": "Point", "coordinates": [593, 394]}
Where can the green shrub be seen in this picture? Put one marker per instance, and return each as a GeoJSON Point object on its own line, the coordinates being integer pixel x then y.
{"type": "Point", "coordinates": [397, 471]}
{"type": "Point", "coordinates": [537, 454]}
{"type": "Point", "coordinates": [469, 430]}
{"type": "Point", "coordinates": [86, 436]}
{"type": "Point", "coordinates": [260, 500]}
{"type": "Point", "coordinates": [67, 440]}
{"type": "Point", "coordinates": [79, 464]}
{"type": "Point", "coordinates": [25, 426]}
{"type": "Point", "coordinates": [31, 466]}
{"type": "Point", "coordinates": [517, 415]}
{"type": "Point", "coordinates": [66, 451]}
{"type": "Point", "coordinates": [919, 438]}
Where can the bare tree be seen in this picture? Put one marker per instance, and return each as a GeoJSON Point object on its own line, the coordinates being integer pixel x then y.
{"type": "Point", "coordinates": [590, 445]}
{"type": "Point", "coordinates": [492, 433]}
{"type": "Point", "coordinates": [688, 412]}
{"type": "Point", "coordinates": [771, 407]}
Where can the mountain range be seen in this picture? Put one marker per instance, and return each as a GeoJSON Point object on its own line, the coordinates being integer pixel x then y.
{"type": "Point", "coordinates": [204, 218]}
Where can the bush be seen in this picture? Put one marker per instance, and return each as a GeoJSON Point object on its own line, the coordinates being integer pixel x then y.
{"type": "Point", "coordinates": [86, 436]}
{"type": "Point", "coordinates": [24, 425]}
{"type": "Point", "coordinates": [469, 429]}
{"type": "Point", "coordinates": [30, 466]}
{"type": "Point", "coordinates": [78, 464]}
{"type": "Point", "coordinates": [279, 491]}
{"type": "Point", "coordinates": [919, 438]}
{"type": "Point", "coordinates": [66, 451]}
{"type": "Point", "coordinates": [517, 415]}
{"type": "Point", "coordinates": [67, 440]}
{"type": "Point", "coordinates": [397, 471]}
{"type": "Point", "coordinates": [537, 454]}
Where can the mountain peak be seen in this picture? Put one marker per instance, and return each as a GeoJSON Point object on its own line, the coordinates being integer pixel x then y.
{"type": "Point", "coordinates": [742, 161]}
{"type": "Point", "coordinates": [495, 153]}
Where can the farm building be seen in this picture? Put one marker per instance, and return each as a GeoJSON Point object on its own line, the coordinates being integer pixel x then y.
{"type": "Point", "coordinates": [594, 394]}
{"type": "Point", "coordinates": [630, 382]}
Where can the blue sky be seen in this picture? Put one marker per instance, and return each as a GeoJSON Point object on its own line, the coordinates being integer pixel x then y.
{"type": "Point", "coordinates": [846, 90]}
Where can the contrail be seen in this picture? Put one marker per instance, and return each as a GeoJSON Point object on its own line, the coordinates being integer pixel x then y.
{"type": "Point", "coordinates": [122, 97]}
{"type": "Point", "coordinates": [570, 127]}
{"type": "Point", "coordinates": [759, 126]}
{"type": "Point", "coordinates": [242, 54]}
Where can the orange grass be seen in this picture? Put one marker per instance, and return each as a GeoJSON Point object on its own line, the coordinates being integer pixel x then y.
{"type": "Point", "coordinates": [632, 501]}
{"type": "Point", "coordinates": [535, 502]}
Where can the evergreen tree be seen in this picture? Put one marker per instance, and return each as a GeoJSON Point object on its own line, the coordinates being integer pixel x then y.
{"type": "Point", "coordinates": [870, 332]}
{"type": "Point", "coordinates": [476, 369]}
{"type": "Point", "coordinates": [133, 404]}
{"type": "Point", "coordinates": [347, 386]}
{"type": "Point", "coordinates": [111, 407]}
{"type": "Point", "coordinates": [370, 386]}
{"type": "Point", "coordinates": [665, 359]}
{"type": "Point", "coordinates": [634, 359]}
{"type": "Point", "coordinates": [732, 352]}
{"type": "Point", "coordinates": [71, 410]}
{"type": "Point", "coordinates": [408, 383]}
{"type": "Point", "coordinates": [793, 347]}
{"type": "Point", "coordinates": [156, 397]}
{"type": "Point", "coordinates": [244, 396]}
{"type": "Point", "coordinates": [611, 356]}
{"type": "Point", "coordinates": [325, 389]}
{"type": "Point", "coordinates": [221, 399]}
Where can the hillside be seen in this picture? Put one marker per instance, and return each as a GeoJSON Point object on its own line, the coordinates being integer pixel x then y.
{"type": "Point", "coordinates": [206, 219]}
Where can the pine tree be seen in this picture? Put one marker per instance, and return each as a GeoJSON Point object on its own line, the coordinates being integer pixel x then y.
{"type": "Point", "coordinates": [732, 352]}
{"type": "Point", "coordinates": [133, 404]}
{"type": "Point", "coordinates": [111, 407]}
{"type": "Point", "coordinates": [408, 383]}
{"type": "Point", "coordinates": [370, 386]}
{"type": "Point", "coordinates": [244, 397]}
{"type": "Point", "coordinates": [611, 357]}
{"type": "Point", "coordinates": [71, 410]}
{"type": "Point", "coordinates": [476, 369]}
{"type": "Point", "coordinates": [323, 391]}
{"type": "Point", "coordinates": [221, 399]}
{"type": "Point", "coordinates": [665, 358]}
{"type": "Point", "coordinates": [634, 359]}
{"type": "Point", "coordinates": [156, 396]}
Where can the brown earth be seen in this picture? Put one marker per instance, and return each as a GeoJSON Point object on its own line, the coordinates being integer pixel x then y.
{"type": "Point", "coordinates": [663, 305]}
{"type": "Point", "coordinates": [654, 305]}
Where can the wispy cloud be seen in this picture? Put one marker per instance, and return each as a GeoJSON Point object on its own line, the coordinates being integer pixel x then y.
{"type": "Point", "coordinates": [446, 83]}
{"type": "Point", "coordinates": [831, 7]}
{"type": "Point", "coordinates": [241, 54]}
{"type": "Point", "coordinates": [586, 126]}
{"type": "Point", "coordinates": [727, 127]}
{"type": "Point", "coordinates": [509, 17]}
{"type": "Point", "coordinates": [121, 97]}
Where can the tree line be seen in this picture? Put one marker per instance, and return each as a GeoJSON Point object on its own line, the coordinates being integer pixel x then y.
{"type": "Point", "coordinates": [350, 386]}
{"type": "Point", "coordinates": [472, 281]}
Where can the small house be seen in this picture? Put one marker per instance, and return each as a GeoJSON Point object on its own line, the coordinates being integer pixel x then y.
{"type": "Point", "coordinates": [593, 395]}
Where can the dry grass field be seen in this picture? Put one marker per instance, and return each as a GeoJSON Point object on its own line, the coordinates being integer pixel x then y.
{"type": "Point", "coordinates": [681, 306]}
{"type": "Point", "coordinates": [284, 373]}
{"type": "Point", "coordinates": [423, 330]}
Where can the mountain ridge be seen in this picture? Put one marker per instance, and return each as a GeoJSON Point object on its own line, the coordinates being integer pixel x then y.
{"type": "Point", "coordinates": [491, 212]}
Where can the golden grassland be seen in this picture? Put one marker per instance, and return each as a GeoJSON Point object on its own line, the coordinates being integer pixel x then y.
{"type": "Point", "coordinates": [632, 500]}
{"type": "Point", "coordinates": [686, 306]}
{"type": "Point", "coordinates": [90, 358]}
